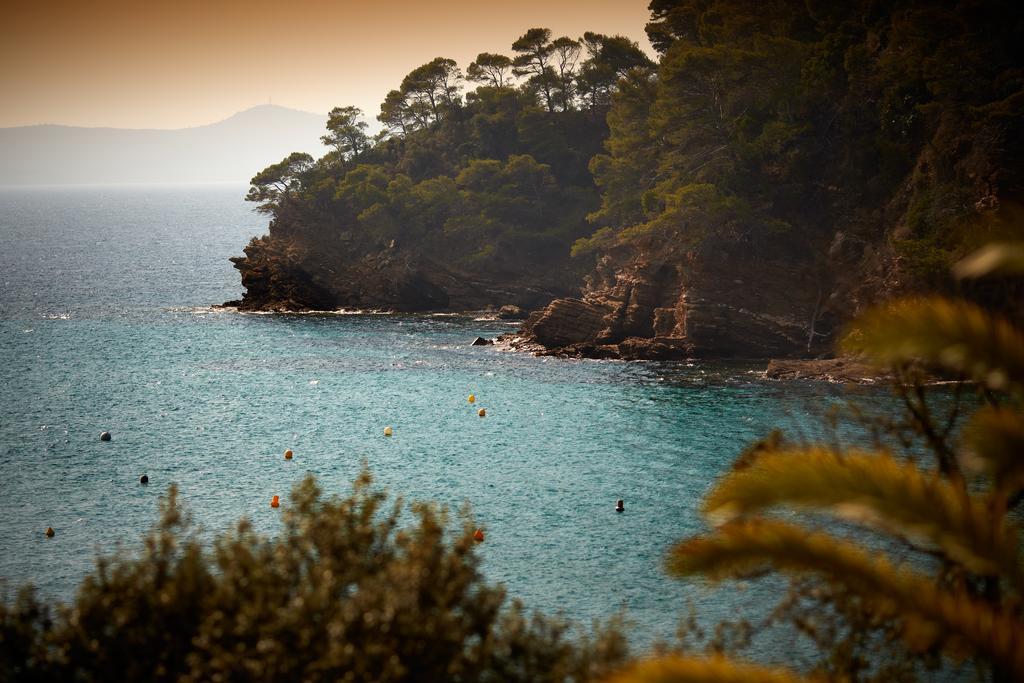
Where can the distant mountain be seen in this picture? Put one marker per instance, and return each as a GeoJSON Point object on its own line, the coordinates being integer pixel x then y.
{"type": "Point", "coordinates": [230, 150]}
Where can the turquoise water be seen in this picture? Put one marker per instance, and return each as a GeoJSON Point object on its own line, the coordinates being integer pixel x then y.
{"type": "Point", "coordinates": [105, 325]}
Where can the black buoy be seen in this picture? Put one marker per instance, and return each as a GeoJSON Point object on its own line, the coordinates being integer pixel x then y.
{"type": "Point", "coordinates": [620, 506]}
{"type": "Point", "coordinates": [104, 436]}
{"type": "Point", "coordinates": [49, 532]}
{"type": "Point", "coordinates": [144, 479]}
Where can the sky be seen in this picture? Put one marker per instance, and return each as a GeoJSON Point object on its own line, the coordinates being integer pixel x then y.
{"type": "Point", "coordinates": [156, 64]}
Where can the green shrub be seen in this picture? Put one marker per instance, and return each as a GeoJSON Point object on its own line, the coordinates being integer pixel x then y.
{"type": "Point", "coordinates": [346, 591]}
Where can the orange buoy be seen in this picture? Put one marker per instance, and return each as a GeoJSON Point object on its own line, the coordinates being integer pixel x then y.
{"type": "Point", "coordinates": [288, 454]}
{"type": "Point", "coordinates": [478, 536]}
{"type": "Point", "coordinates": [275, 502]}
{"type": "Point", "coordinates": [482, 412]}
{"type": "Point", "coordinates": [472, 398]}
{"type": "Point", "coordinates": [49, 532]}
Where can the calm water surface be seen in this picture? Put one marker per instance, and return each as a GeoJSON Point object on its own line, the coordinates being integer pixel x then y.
{"type": "Point", "coordinates": [105, 324]}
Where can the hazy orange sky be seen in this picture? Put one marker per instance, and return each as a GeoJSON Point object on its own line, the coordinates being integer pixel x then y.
{"type": "Point", "coordinates": [139, 64]}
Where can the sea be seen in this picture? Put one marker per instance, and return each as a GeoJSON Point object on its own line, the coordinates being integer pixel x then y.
{"type": "Point", "coordinates": [107, 323]}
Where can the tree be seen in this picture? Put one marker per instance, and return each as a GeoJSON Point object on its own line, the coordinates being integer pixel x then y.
{"type": "Point", "coordinates": [534, 60]}
{"type": "Point", "coordinates": [609, 59]}
{"type": "Point", "coordinates": [565, 53]}
{"type": "Point", "coordinates": [346, 132]}
{"type": "Point", "coordinates": [490, 69]}
{"type": "Point", "coordinates": [434, 86]}
{"type": "Point", "coordinates": [279, 183]}
{"type": "Point", "coordinates": [394, 112]}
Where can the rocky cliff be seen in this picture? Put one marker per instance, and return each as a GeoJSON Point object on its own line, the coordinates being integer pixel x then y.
{"type": "Point", "coordinates": [288, 274]}
{"type": "Point", "coordinates": [659, 304]}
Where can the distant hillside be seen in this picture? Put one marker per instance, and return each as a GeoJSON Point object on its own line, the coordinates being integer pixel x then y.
{"type": "Point", "coordinates": [230, 150]}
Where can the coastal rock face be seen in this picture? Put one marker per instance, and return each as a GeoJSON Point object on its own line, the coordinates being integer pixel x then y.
{"type": "Point", "coordinates": [663, 306]}
{"type": "Point", "coordinates": [569, 321]}
{"type": "Point", "coordinates": [510, 312]}
{"type": "Point", "coordinates": [282, 273]}
{"type": "Point", "coordinates": [274, 282]}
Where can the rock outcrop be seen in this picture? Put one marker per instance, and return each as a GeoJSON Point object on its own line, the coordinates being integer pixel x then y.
{"type": "Point", "coordinates": [666, 305]}
{"type": "Point", "coordinates": [843, 370]}
{"type": "Point", "coordinates": [284, 274]}
{"type": "Point", "coordinates": [510, 312]}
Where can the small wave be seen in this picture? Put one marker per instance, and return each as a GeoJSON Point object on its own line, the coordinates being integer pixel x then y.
{"type": "Point", "coordinates": [57, 316]}
{"type": "Point", "coordinates": [352, 311]}
{"type": "Point", "coordinates": [338, 312]}
{"type": "Point", "coordinates": [200, 310]}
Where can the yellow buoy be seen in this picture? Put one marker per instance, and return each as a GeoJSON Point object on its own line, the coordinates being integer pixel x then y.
{"type": "Point", "coordinates": [49, 532]}
{"type": "Point", "coordinates": [478, 536]}
{"type": "Point", "coordinates": [388, 431]}
{"type": "Point", "coordinates": [288, 454]}
{"type": "Point", "coordinates": [472, 398]}
{"type": "Point", "coordinates": [482, 412]}
{"type": "Point", "coordinates": [275, 502]}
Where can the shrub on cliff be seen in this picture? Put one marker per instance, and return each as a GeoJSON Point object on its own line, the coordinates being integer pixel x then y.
{"type": "Point", "coordinates": [345, 591]}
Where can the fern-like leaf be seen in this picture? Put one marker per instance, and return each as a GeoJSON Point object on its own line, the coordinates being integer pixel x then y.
{"type": "Point", "coordinates": [956, 336]}
{"type": "Point", "coordinates": [767, 544]}
{"type": "Point", "coordinates": [994, 443]}
{"type": "Point", "coordinates": [702, 670]}
{"type": "Point", "coordinates": [992, 260]}
{"type": "Point", "coordinates": [875, 489]}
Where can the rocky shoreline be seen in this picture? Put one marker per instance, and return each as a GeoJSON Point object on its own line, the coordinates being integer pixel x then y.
{"type": "Point", "coordinates": [842, 370]}
{"type": "Point", "coordinates": [654, 304]}
{"type": "Point", "coordinates": [286, 275]}
{"type": "Point", "coordinates": [662, 305]}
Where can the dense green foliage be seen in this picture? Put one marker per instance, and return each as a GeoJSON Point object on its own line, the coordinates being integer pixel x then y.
{"type": "Point", "coordinates": [877, 140]}
{"type": "Point", "coordinates": [779, 124]}
{"type": "Point", "coordinates": [489, 180]}
{"type": "Point", "coordinates": [344, 592]}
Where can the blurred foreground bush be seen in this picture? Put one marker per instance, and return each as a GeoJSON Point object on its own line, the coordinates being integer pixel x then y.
{"type": "Point", "coordinates": [344, 593]}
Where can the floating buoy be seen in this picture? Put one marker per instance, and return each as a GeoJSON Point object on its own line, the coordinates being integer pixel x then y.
{"type": "Point", "coordinates": [388, 431]}
{"type": "Point", "coordinates": [104, 436]}
{"type": "Point", "coordinates": [482, 412]}
{"type": "Point", "coordinates": [472, 398]}
{"type": "Point", "coordinates": [620, 505]}
{"type": "Point", "coordinates": [49, 532]}
{"type": "Point", "coordinates": [478, 536]}
{"type": "Point", "coordinates": [288, 454]}
{"type": "Point", "coordinates": [275, 502]}
{"type": "Point", "coordinates": [144, 479]}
